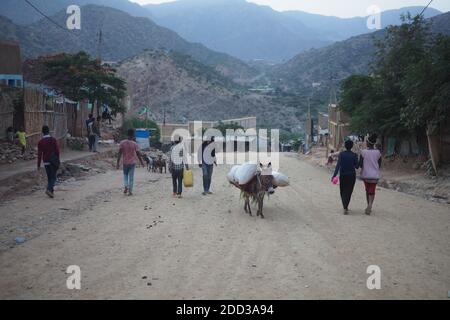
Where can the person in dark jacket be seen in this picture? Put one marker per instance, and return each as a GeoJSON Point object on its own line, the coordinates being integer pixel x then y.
{"type": "Point", "coordinates": [346, 167]}
{"type": "Point", "coordinates": [207, 160]}
{"type": "Point", "coordinates": [90, 123]}
{"type": "Point", "coordinates": [48, 152]}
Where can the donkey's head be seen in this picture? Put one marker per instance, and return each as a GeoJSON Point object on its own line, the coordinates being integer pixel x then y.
{"type": "Point", "coordinates": [266, 178]}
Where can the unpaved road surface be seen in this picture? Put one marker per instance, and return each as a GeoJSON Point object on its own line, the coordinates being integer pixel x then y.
{"type": "Point", "coordinates": [151, 246]}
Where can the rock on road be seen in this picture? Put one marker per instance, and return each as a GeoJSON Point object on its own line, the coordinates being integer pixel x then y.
{"type": "Point", "coordinates": [151, 246]}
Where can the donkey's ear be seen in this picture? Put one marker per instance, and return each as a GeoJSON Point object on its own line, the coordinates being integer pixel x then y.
{"type": "Point", "coordinates": [261, 165]}
{"type": "Point", "coordinates": [269, 165]}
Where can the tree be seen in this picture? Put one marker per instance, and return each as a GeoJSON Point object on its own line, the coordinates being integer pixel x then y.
{"type": "Point", "coordinates": [78, 77]}
{"type": "Point", "coordinates": [427, 88]}
{"type": "Point", "coordinates": [379, 102]}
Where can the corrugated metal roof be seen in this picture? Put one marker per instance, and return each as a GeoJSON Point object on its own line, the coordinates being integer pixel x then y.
{"type": "Point", "coordinates": [10, 62]}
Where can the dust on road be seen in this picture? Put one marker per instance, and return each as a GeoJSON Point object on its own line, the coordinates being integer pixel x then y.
{"type": "Point", "coordinates": [151, 246]}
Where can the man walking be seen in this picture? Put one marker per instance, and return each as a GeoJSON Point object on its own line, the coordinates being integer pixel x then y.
{"type": "Point", "coordinates": [207, 160]}
{"type": "Point", "coordinates": [129, 150]}
{"type": "Point", "coordinates": [97, 134]}
{"type": "Point", "coordinates": [90, 123]}
{"type": "Point", "coordinates": [48, 152]}
{"type": "Point", "coordinates": [177, 163]}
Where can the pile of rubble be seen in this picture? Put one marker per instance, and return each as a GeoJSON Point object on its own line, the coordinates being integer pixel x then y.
{"type": "Point", "coordinates": [76, 143]}
{"type": "Point", "coordinates": [10, 153]}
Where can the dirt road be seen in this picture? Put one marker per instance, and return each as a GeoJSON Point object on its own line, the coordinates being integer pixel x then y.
{"type": "Point", "coordinates": [152, 246]}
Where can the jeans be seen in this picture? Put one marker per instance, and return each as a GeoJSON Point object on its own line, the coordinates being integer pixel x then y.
{"type": "Point", "coordinates": [346, 184]}
{"type": "Point", "coordinates": [128, 176]}
{"type": "Point", "coordinates": [51, 177]}
{"type": "Point", "coordinates": [92, 146]}
{"type": "Point", "coordinates": [207, 170]}
{"type": "Point", "coordinates": [97, 139]}
{"type": "Point", "coordinates": [177, 181]}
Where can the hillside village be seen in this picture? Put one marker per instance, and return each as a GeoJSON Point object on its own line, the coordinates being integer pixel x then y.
{"type": "Point", "coordinates": [141, 68]}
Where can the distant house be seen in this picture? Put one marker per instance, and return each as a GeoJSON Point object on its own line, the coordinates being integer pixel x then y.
{"type": "Point", "coordinates": [322, 123]}
{"type": "Point", "coordinates": [167, 129]}
{"type": "Point", "coordinates": [10, 64]}
{"type": "Point", "coordinates": [338, 126]}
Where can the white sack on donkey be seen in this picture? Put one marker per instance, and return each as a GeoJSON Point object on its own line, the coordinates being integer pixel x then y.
{"type": "Point", "coordinates": [279, 179]}
{"type": "Point", "coordinates": [231, 176]}
{"type": "Point", "coordinates": [255, 182]}
{"type": "Point", "coordinates": [245, 173]}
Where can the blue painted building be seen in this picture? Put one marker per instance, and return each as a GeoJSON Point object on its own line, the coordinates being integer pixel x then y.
{"type": "Point", "coordinates": [10, 64]}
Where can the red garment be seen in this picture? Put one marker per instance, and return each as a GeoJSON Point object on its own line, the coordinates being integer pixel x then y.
{"type": "Point", "coordinates": [129, 151]}
{"type": "Point", "coordinates": [46, 147]}
{"type": "Point", "coordinates": [370, 188]}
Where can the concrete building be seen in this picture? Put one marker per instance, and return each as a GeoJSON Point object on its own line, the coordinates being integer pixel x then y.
{"type": "Point", "coordinates": [10, 64]}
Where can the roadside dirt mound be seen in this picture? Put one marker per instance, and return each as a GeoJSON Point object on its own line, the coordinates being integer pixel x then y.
{"type": "Point", "coordinates": [22, 184]}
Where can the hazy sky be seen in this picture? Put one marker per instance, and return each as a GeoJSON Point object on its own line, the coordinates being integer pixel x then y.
{"type": "Point", "coordinates": [340, 8]}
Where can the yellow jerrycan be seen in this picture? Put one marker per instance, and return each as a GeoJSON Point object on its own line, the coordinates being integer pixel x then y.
{"type": "Point", "coordinates": [188, 178]}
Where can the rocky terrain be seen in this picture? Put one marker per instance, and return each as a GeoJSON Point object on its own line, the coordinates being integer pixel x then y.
{"type": "Point", "coordinates": [188, 90]}
{"type": "Point", "coordinates": [123, 36]}
{"type": "Point", "coordinates": [10, 153]}
{"type": "Point", "coordinates": [339, 60]}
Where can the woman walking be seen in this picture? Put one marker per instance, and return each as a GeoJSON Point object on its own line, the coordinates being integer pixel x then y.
{"type": "Point", "coordinates": [347, 163]}
{"type": "Point", "coordinates": [370, 162]}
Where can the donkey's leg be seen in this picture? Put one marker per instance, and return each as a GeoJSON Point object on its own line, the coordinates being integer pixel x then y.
{"type": "Point", "coordinates": [261, 210]}
{"type": "Point", "coordinates": [260, 205]}
{"type": "Point", "coordinates": [245, 204]}
{"type": "Point", "coordinates": [249, 209]}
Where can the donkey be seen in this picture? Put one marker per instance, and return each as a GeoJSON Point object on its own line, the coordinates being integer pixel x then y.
{"type": "Point", "coordinates": [257, 188]}
{"type": "Point", "coordinates": [150, 163]}
{"type": "Point", "coordinates": [160, 164]}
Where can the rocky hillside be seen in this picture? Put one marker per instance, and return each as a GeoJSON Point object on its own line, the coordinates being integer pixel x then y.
{"type": "Point", "coordinates": [250, 31]}
{"type": "Point", "coordinates": [188, 90]}
{"type": "Point", "coordinates": [352, 56]}
{"type": "Point", "coordinates": [22, 13]}
{"type": "Point", "coordinates": [240, 28]}
{"type": "Point", "coordinates": [124, 36]}
{"type": "Point", "coordinates": [338, 29]}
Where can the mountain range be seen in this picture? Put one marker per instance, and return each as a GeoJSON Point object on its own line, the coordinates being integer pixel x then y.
{"type": "Point", "coordinates": [236, 27]}
{"type": "Point", "coordinates": [192, 81]}
{"type": "Point", "coordinates": [339, 60]}
{"type": "Point", "coordinates": [22, 13]}
{"type": "Point", "coordinates": [123, 36]}
{"type": "Point", "coordinates": [249, 31]}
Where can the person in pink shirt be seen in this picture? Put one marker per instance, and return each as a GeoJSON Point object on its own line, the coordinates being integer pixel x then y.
{"type": "Point", "coordinates": [370, 162]}
{"type": "Point", "coordinates": [129, 150]}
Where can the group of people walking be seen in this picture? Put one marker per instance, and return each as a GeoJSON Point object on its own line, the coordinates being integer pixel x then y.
{"type": "Point", "coordinates": [49, 155]}
{"type": "Point", "coordinates": [369, 162]}
{"type": "Point", "coordinates": [129, 152]}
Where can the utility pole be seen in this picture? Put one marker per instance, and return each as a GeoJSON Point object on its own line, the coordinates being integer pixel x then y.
{"type": "Point", "coordinates": [99, 59]}
{"type": "Point", "coordinates": [148, 100]}
{"type": "Point", "coordinates": [99, 46]}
